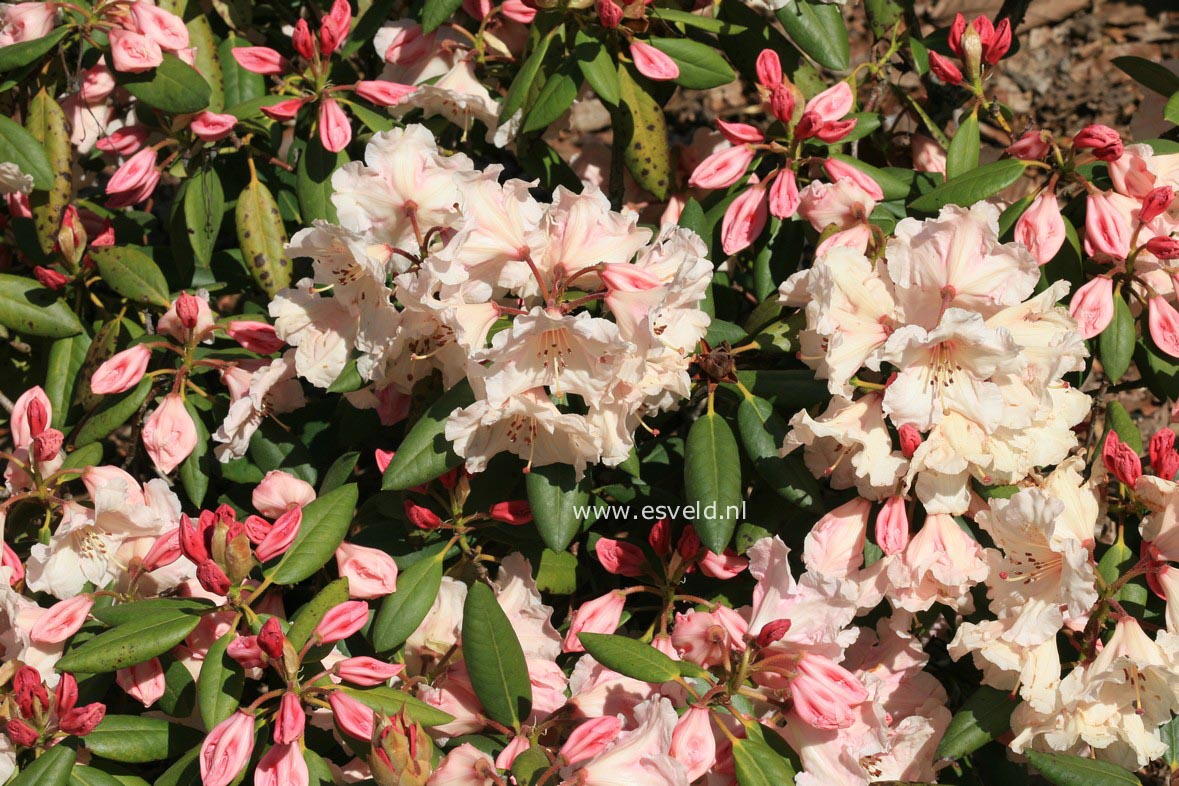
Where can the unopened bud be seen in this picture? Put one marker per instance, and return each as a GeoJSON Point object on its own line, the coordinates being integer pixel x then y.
{"type": "Point", "coordinates": [609, 13]}
{"type": "Point", "coordinates": [271, 638]}
{"type": "Point", "coordinates": [212, 577]}
{"type": "Point", "coordinates": [36, 416]}
{"type": "Point", "coordinates": [910, 439]}
{"type": "Point", "coordinates": [71, 238]}
{"type": "Point", "coordinates": [188, 309]}
{"type": "Point", "coordinates": [1156, 203]}
{"type": "Point", "coordinates": [301, 40]}
{"type": "Point", "coordinates": [972, 49]}
{"type": "Point", "coordinates": [421, 517]}
{"type": "Point", "coordinates": [21, 733]}
{"type": "Point", "coordinates": [1163, 247]}
{"type": "Point", "coordinates": [47, 445]}
{"type": "Point", "coordinates": [773, 631]}
{"type": "Point", "coordinates": [50, 278]}
{"type": "Point", "coordinates": [401, 752]}
{"type": "Point", "coordinates": [80, 721]}
{"type": "Point", "coordinates": [944, 69]}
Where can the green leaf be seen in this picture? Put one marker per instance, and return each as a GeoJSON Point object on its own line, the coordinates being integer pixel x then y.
{"type": "Point", "coordinates": [1115, 345]}
{"type": "Point", "coordinates": [557, 572]}
{"type": "Point", "coordinates": [173, 87]}
{"type": "Point", "coordinates": [597, 66]}
{"type": "Point", "coordinates": [522, 84]}
{"type": "Point", "coordinates": [425, 453]}
{"type": "Point", "coordinates": [712, 480]}
{"type": "Point", "coordinates": [339, 472]}
{"type": "Point", "coordinates": [555, 97]}
{"type": "Point", "coordinates": [530, 765]}
{"type": "Point", "coordinates": [1118, 419]}
{"type": "Point", "coordinates": [494, 658]}
{"type": "Point", "coordinates": [762, 433]}
{"type": "Point", "coordinates": [18, 146]}
{"type": "Point", "coordinates": [641, 129]}
{"type": "Point", "coordinates": [130, 612]}
{"type": "Point", "coordinates": [630, 657]}
{"type": "Point", "coordinates": [984, 716]}
{"type": "Point", "coordinates": [555, 496]}
{"type": "Point", "coordinates": [1117, 559]}
{"type": "Point", "coordinates": [180, 695]}
{"type": "Point", "coordinates": [203, 209]}
{"type": "Point", "coordinates": [51, 769]}
{"type": "Point", "coordinates": [262, 238]}
{"type": "Point", "coordinates": [1170, 734]}
{"type": "Point", "coordinates": [964, 148]}
{"type": "Point", "coordinates": [701, 66]}
{"type": "Point", "coordinates": [130, 643]}
{"type": "Point", "coordinates": [114, 412]}
{"type": "Point", "coordinates": [391, 701]}
{"type": "Point", "coordinates": [195, 470]}
{"type": "Point", "coordinates": [402, 612]}
{"type": "Point", "coordinates": [64, 363]}
{"type": "Point", "coordinates": [89, 456]}
{"type": "Point", "coordinates": [973, 186]}
{"type": "Point", "coordinates": [325, 523]}
{"type": "Point", "coordinates": [311, 614]}
{"type": "Point", "coordinates": [1171, 110]}
{"type": "Point", "coordinates": [435, 12]}
{"type": "Point", "coordinates": [688, 19]}
{"type": "Point", "coordinates": [758, 764]}
{"type": "Point", "coordinates": [133, 274]}
{"type": "Point", "coordinates": [818, 29]}
{"type": "Point", "coordinates": [30, 309]}
{"type": "Point", "coordinates": [220, 686]}
{"type": "Point", "coordinates": [1149, 74]}
{"type": "Point", "coordinates": [134, 739]}
{"type": "Point", "coordinates": [313, 181]}
{"type": "Point", "coordinates": [92, 776]}
{"type": "Point", "coordinates": [789, 390]}
{"type": "Point", "coordinates": [240, 85]}
{"type": "Point", "coordinates": [1065, 770]}
{"type": "Point", "coordinates": [47, 123]}
{"type": "Point", "coordinates": [185, 771]}
{"type": "Point", "coordinates": [27, 52]}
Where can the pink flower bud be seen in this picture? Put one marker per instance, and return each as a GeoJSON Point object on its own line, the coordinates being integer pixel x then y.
{"type": "Point", "coordinates": [1031, 146]}
{"type": "Point", "coordinates": [620, 558]}
{"type": "Point", "coordinates": [944, 69]}
{"type": "Point", "coordinates": [366, 671]}
{"type": "Point", "coordinates": [134, 181]}
{"type": "Point", "coordinates": [1106, 229]}
{"type": "Point", "coordinates": [260, 60]}
{"type": "Point", "coordinates": [271, 638]}
{"type": "Point", "coordinates": [652, 63]}
{"type": "Point", "coordinates": [591, 738]}
{"type": "Point", "coordinates": [47, 445]}
{"type": "Point", "coordinates": [910, 439]}
{"type": "Point", "coordinates": [722, 566]}
{"type": "Point", "coordinates": [1166, 248]}
{"type": "Point", "coordinates": [1041, 228]}
{"type": "Point", "coordinates": [1163, 456]}
{"type": "Point", "coordinates": [62, 620]}
{"type": "Point", "coordinates": [125, 141]}
{"type": "Point", "coordinates": [421, 517]}
{"type": "Point", "coordinates": [30, 416]}
{"type": "Point", "coordinates": [334, 27]}
{"type": "Point", "coordinates": [999, 44]}
{"type": "Point", "coordinates": [29, 691]}
{"type": "Point", "coordinates": [600, 615]}
{"type": "Point", "coordinates": [784, 198]}
{"type": "Point", "coordinates": [290, 720]}
{"type": "Point", "coordinates": [192, 541]}
{"type": "Point", "coordinates": [773, 631]}
{"type": "Point", "coordinates": [1096, 136]}
{"type": "Point", "coordinates": [723, 168]}
{"type": "Point", "coordinates": [122, 371]}
{"type": "Point", "coordinates": [383, 93]}
{"type": "Point", "coordinates": [371, 573]}
{"type": "Point", "coordinates": [660, 537]}
{"type": "Point", "coordinates": [1121, 460]}
{"type": "Point", "coordinates": [744, 220]}
{"type": "Point", "coordinates": [840, 170]}
{"type": "Point", "coordinates": [65, 696]}
{"type": "Point", "coordinates": [283, 110]}
{"type": "Point", "coordinates": [245, 650]}
{"type": "Point", "coordinates": [280, 492]}
{"type": "Point", "coordinates": [211, 126]}
{"type": "Point", "coordinates": [382, 458]}
{"type": "Point", "coordinates": [169, 434]}
{"type": "Point", "coordinates": [21, 733]}
{"type": "Point", "coordinates": [282, 765]}
{"type": "Point", "coordinates": [782, 102]}
{"type": "Point", "coordinates": [740, 133]}
{"type": "Point", "coordinates": [281, 535]}
{"type": "Point", "coordinates": [1092, 306]}
{"type": "Point", "coordinates": [825, 693]}
{"type": "Point", "coordinates": [892, 526]}
{"type": "Point", "coordinates": [833, 103]}
{"type": "Point", "coordinates": [50, 278]}
{"type": "Point", "coordinates": [301, 40]}
{"type": "Point", "coordinates": [835, 130]}
{"type": "Point", "coordinates": [227, 748]}
{"type": "Point", "coordinates": [16, 570]}
{"type": "Point", "coordinates": [210, 576]}
{"type": "Point", "coordinates": [769, 69]}
{"type": "Point", "coordinates": [515, 512]}
{"type": "Point", "coordinates": [352, 717]}
{"type": "Point", "coordinates": [342, 621]}
{"type": "Point", "coordinates": [1163, 321]}
{"type": "Point", "coordinates": [609, 13]}
{"type": "Point", "coordinates": [693, 743]}
{"type": "Point", "coordinates": [163, 27]}
{"type": "Point", "coordinates": [689, 544]}
{"type": "Point", "coordinates": [1155, 203]}
{"type": "Point", "coordinates": [143, 682]}
{"type": "Point", "coordinates": [957, 28]}
{"type": "Point", "coordinates": [188, 310]}
{"type": "Point", "coordinates": [80, 721]}
{"type": "Point", "coordinates": [133, 52]}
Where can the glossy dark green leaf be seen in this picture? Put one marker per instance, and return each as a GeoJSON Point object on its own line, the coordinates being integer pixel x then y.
{"type": "Point", "coordinates": [630, 657]}
{"type": "Point", "coordinates": [133, 274]}
{"type": "Point", "coordinates": [195, 470]}
{"type": "Point", "coordinates": [425, 453]}
{"type": "Point", "coordinates": [25, 53]}
{"type": "Point", "coordinates": [1115, 345]}
{"type": "Point", "coordinates": [818, 29]}
{"type": "Point", "coordinates": [758, 764]}
{"type": "Point", "coordinates": [204, 208]}
{"type": "Point", "coordinates": [701, 66]}
{"type": "Point", "coordinates": [52, 768]}
{"type": "Point", "coordinates": [339, 472]}
{"type": "Point", "coordinates": [262, 238]}
{"type": "Point", "coordinates": [174, 86]}
{"type": "Point", "coordinates": [435, 12]}
{"type": "Point", "coordinates": [63, 365]}
{"type": "Point", "coordinates": [303, 625]}
{"type": "Point", "coordinates": [391, 701]}
{"type": "Point", "coordinates": [402, 612]}
{"type": "Point", "coordinates": [973, 186]}
{"type": "Point", "coordinates": [557, 498]}
{"type": "Point", "coordinates": [220, 686]}
{"type": "Point", "coordinates": [964, 148]}
{"type": "Point", "coordinates": [1063, 769]}
{"type": "Point", "coordinates": [207, 59]}
{"type": "Point", "coordinates": [92, 776]}
{"type": "Point", "coordinates": [1149, 73]}
{"type": "Point", "coordinates": [32, 310]}
{"type": "Point", "coordinates": [18, 146]}
{"type": "Point", "coordinates": [522, 84]}
{"type": "Point", "coordinates": [313, 181]}
{"type": "Point", "coordinates": [132, 642]}
{"type": "Point", "coordinates": [494, 658]}
{"type": "Point", "coordinates": [984, 716]}
{"type": "Point", "coordinates": [597, 66]}
{"type": "Point", "coordinates": [762, 433]}
{"type": "Point", "coordinates": [239, 84]}
{"type": "Point", "coordinates": [325, 523]}
{"type": "Point", "coordinates": [134, 739]}
{"type": "Point", "coordinates": [114, 412]}
{"type": "Point", "coordinates": [688, 19]}
{"type": "Point", "coordinates": [712, 480]}
{"type": "Point", "coordinates": [555, 97]}
{"type": "Point", "coordinates": [130, 612]}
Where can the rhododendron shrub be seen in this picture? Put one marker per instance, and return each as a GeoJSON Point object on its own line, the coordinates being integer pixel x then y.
{"type": "Point", "coordinates": [372, 416]}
